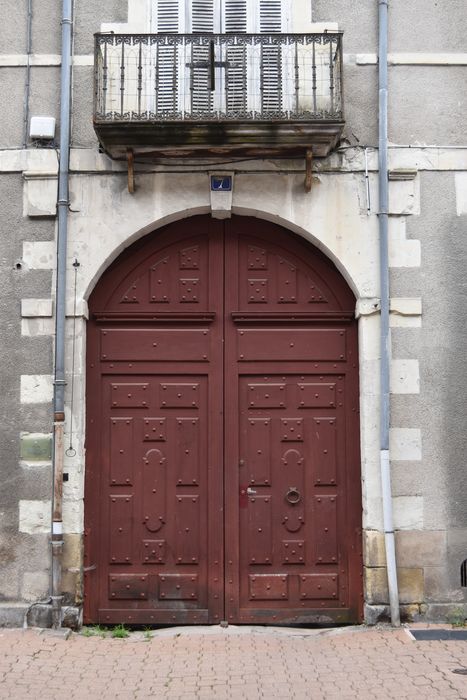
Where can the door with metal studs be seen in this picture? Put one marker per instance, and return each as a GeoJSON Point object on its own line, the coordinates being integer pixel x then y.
{"type": "Point", "coordinates": [222, 464]}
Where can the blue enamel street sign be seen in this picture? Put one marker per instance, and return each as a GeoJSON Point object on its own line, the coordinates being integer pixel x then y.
{"type": "Point", "coordinates": [221, 183]}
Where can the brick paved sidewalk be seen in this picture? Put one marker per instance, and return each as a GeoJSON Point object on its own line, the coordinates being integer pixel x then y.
{"type": "Point", "coordinates": [247, 663]}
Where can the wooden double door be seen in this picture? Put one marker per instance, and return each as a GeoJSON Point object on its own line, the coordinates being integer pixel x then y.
{"type": "Point", "coordinates": [222, 466]}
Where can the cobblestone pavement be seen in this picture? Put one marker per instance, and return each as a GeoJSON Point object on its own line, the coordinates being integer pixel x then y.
{"type": "Point", "coordinates": [237, 662]}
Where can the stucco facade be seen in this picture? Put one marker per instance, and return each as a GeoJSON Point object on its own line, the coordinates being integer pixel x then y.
{"type": "Point", "coordinates": [427, 220]}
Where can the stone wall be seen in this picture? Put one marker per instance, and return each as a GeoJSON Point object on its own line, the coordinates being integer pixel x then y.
{"type": "Point", "coordinates": [428, 209]}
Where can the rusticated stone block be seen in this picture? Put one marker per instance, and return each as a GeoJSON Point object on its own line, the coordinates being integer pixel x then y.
{"type": "Point", "coordinates": [372, 614]}
{"type": "Point", "coordinates": [12, 614]}
{"type": "Point", "coordinates": [410, 583]}
{"type": "Point", "coordinates": [445, 612]}
{"type": "Point", "coordinates": [376, 586]}
{"type": "Point", "coordinates": [420, 548]}
{"type": "Point", "coordinates": [374, 551]}
{"type": "Point", "coordinates": [72, 559]}
{"type": "Point", "coordinates": [436, 584]}
{"type": "Point", "coordinates": [410, 613]}
{"type": "Point", "coordinates": [414, 548]}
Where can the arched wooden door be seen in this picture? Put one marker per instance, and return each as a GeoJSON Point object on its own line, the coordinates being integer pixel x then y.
{"type": "Point", "coordinates": [223, 475]}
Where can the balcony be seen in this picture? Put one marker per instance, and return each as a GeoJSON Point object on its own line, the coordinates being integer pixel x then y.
{"type": "Point", "coordinates": [216, 95]}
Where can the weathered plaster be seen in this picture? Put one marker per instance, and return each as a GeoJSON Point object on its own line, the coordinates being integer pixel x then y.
{"type": "Point", "coordinates": [35, 585]}
{"type": "Point", "coordinates": [37, 317]}
{"type": "Point", "coordinates": [405, 313]}
{"type": "Point", "coordinates": [461, 193]}
{"type": "Point", "coordinates": [40, 194]}
{"type": "Point", "coordinates": [39, 255]}
{"type": "Point", "coordinates": [328, 217]}
{"type": "Point", "coordinates": [138, 19]}
{"type": "Point", "coordinates": [34, 516]}
{"type": "Point", "coordinates": [31, 327]}
{"type": "Point", "coordinates": [408, 512]}
{"type": "Point", "coordinates": [33, 308]}
{"type": "Point", "coordinates": [36, 388]}
{"type": "Point", "coordinates": [405, 377]}
{"type": "Point", "coordinates": [346, 159]}
{"type": "Point", "coordinates": [420, 58]}
{"type": "Point", "coordinates": [405, 444]}
{"type": "Point", "coordinates": [403, 252]}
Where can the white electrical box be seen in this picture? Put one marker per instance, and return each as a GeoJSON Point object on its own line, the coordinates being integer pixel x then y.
{"type": "Point", "coordinates": [42, 128]}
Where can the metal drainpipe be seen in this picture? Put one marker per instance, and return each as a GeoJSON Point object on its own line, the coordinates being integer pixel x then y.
{"type": "Point", "coordinates": [383, 176]}
{"type": "Point", "coordinates": [60, 314]}
{"type": "Point", "coordinates": [28, 76]}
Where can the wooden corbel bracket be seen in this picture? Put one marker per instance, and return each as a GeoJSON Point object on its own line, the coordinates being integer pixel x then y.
{"type": "Point", "coordinates": [131, 170]}
{"type": "Point", "coordinates": [308, 172]}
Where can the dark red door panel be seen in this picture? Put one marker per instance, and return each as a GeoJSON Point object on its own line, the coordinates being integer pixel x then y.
{"type": "Point", "coordinates": [291, 390]}
{"type": "Point", "coordinates": [222, 472]}
{"type": "Point", "coordinates": [154, 476]}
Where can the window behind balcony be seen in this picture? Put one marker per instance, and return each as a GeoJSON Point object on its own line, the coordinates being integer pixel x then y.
{"type": "Point", "coordinates": [218, 60]}
{"type": "Point", "coordinates": [246, 78]}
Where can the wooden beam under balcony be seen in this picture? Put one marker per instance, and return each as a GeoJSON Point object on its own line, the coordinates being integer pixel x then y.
{"type": "Point", "coordinates": [208, 139]}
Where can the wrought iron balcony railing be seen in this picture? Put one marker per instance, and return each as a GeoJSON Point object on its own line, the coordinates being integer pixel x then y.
{"type": "Point", "coordinates": [167, 79]}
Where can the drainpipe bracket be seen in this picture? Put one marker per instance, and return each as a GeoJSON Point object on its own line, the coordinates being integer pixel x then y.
{"type": "Point", "coordinates": [130, 161]}
{"type": "Point", "coordinates": [308, 169]}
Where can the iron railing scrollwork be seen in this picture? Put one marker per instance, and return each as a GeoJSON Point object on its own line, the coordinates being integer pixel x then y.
{"type": "Point", "coordinates": [218, 77]}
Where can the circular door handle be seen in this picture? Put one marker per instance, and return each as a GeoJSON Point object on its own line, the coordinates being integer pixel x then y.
{"type": "Point", "coordinates": [293, 495]}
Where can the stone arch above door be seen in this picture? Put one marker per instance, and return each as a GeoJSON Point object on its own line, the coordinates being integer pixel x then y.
{"type": "Point", "coordinates": [351, 250]}
{"type": "Point", "coordinates": [149, 281]}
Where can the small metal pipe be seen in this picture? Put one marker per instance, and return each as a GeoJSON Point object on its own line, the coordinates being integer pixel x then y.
{"type": "Point", "coordinates": [122, 78]}
{"type": "Point", "coordinates": [383, 181]}
{"type": "Point", "coordinates": [60, 310]}
{"type": "Point", "coordinates": [27, 86]}
{"type": "Point", "coordinates": [313, 73]}
{"type": "Point", "coordinates": [296, 78]}
{"type": "Point", "coordinates": [367, 181]}
{"type": "Point", "coordinates": [104, 81]}
{"type": "Point", "coordinates": [139, 88]}
{"type": "Point", "coordinates": [331, 76]}
{"type": "Point", "coordinates": [57, 528]}
{"type": "Point", "coordinates": [341, 77]}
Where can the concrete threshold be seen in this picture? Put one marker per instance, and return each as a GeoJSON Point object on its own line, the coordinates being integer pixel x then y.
{"type": "Point", "coordinates": [243, 630]}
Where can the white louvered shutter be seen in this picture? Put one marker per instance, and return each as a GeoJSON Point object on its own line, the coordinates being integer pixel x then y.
{"type": "Point", "coordinates": [235, 17]}
{"type": "Point", "coordinates": [270, 16]}
{"type": "Point", "coordinates": [235, 21]}
{"type": "Point", "coordinates": [204, 20]}
{"type": "Point", "coordinates": [272, 84]}
{"type": "Point", "coordinates": [252, 78]}
{"type": "Point", "coordinates": [167, 18]}
{"type": "Point", "coordinates": [181, 83]}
